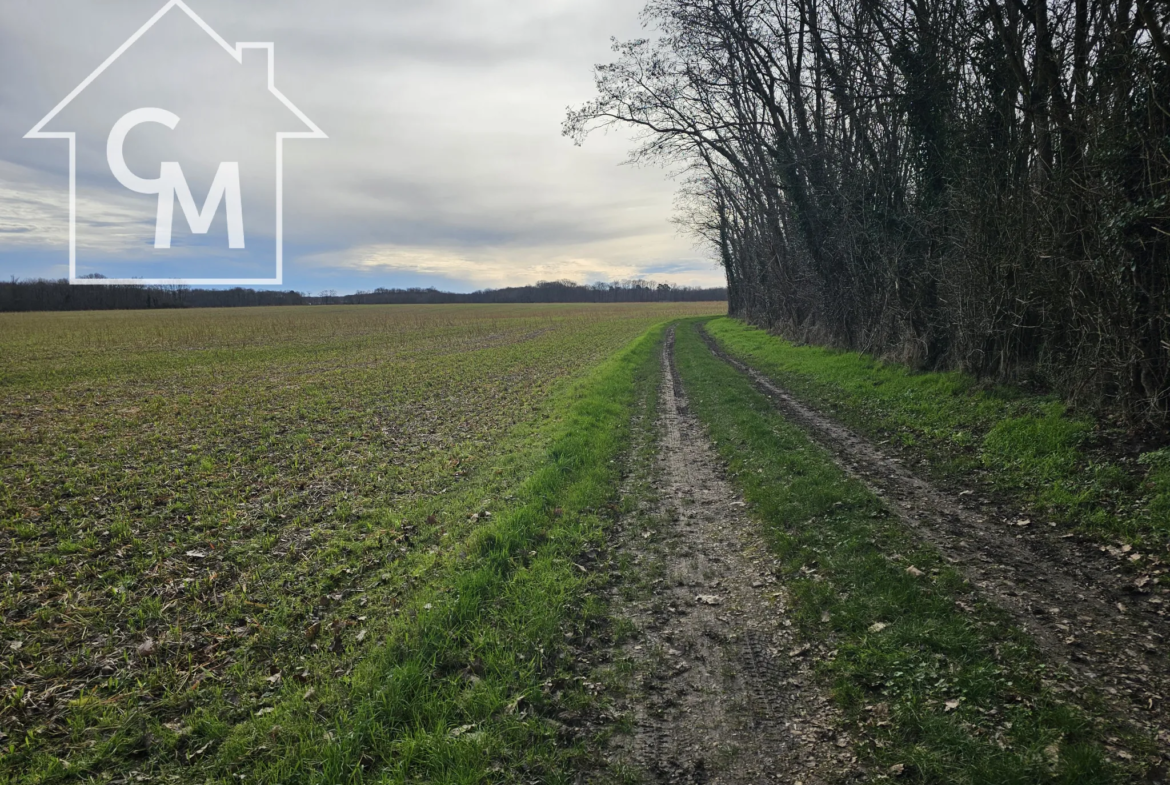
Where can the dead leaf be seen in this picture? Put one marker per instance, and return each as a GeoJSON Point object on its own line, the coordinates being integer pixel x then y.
{"type": "Point", "coordinates": [361, 636]}
{"type": "Point", "coordinates": [899, 768]}
{"type": "Point", "coordinates": [951, 705]}
{"type": "Point", "coordinates": [462, 729]}
{"type": "Point", "coordinates": [917, 573]}
{"type": "Point", "coordinates": [196, 554]}
{"type": "Point", "coordinates": [878, 626]}
{"type": "Point", "coordinates": [313, 630]}
{"type": "Point", "coordinates": [146, 648]}
{"type": "Point", "coordinates": [708, 599]}
{"type": "Point", "coordinates": [309, 693]}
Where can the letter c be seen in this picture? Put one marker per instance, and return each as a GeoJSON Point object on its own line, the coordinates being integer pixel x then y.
{"type": "Point", "coordinates": [115, 153]}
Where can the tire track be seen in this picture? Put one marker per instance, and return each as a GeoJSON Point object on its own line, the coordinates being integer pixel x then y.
{"type": "Point", "coordinates": [1080, 609]}
{"type": "Point", "coordinates": [724, 695]}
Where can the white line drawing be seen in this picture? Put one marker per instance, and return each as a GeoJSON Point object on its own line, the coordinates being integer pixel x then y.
{"type": "Point", "coordinates": [171, 184]}
{"type": "Point", "coordinates": [237, 54]}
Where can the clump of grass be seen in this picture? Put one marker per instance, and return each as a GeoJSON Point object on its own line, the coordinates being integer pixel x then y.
{"type": "Point", "coordinates": [1045, 448]}
{"type": "Point", "coordinates": [1040, 452]}
{"type": "Point", "coordinates": [1157, 487]}
{"type": "Point", "coordinates": [934, 680]}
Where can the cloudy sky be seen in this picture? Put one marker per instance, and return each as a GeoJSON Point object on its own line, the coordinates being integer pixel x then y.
{"type": "Point", "coordinates": [444, 164]}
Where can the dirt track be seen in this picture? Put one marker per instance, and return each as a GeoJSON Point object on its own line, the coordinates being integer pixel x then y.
{"type": "Point", "coordinates": [1081, 606]}
{"type": "Point", "coordinates": [724, 693]}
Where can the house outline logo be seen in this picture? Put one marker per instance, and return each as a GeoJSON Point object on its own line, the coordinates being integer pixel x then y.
{"type": "Point", "coordinates": [237, 54]}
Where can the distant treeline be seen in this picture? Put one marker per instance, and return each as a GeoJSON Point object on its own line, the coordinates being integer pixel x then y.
{"type": "Point", "coordinates": [42, 295]}
{"type": "Point", "coordinates": [974, 184]}
{"type": "Point", "coordinates": [636, 291]}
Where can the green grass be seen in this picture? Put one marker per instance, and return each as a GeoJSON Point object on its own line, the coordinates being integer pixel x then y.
{"type": "Point", "coordinates": [475, 671]}
{"type": "Point", "coordinates": [935, 680]}
{"type": "Point", "coordinates": [219, 522]}
{"type": "Point", "coordinates": [1027, 447]}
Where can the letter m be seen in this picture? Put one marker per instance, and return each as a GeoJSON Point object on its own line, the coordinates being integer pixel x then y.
{"type": "Point", "coordinates": [174, 185]}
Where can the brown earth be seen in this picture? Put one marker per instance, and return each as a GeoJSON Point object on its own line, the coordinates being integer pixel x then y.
{"type": "Point", "coordinates": [722, 691]}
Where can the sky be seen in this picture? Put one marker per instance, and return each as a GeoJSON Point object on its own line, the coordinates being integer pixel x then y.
{"type": "Point", "coordinates": [444, 163]}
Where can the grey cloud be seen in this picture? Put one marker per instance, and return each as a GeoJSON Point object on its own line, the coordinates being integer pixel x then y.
{"type": "Point", "coordinates": [443, 117]}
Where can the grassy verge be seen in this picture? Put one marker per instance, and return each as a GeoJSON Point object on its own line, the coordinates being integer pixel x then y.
{"type": "Point", "coordinates": [941, 687]}
{"type": "Point", "coordinates": [1026, 446]}
{"type": "Point", "coordinates": [476, 667]}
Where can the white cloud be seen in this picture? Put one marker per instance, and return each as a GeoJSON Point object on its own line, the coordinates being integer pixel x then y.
{"type": "Point", "coordinates": [34, 215]}
{"type": "Point", "coordinates": [487, 267]}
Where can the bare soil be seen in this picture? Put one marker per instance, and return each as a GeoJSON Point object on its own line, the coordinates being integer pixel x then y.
{"type": "Point", "coordinates": [1078, 600]}
{"type": "Point", "coordinates": [722, 692]}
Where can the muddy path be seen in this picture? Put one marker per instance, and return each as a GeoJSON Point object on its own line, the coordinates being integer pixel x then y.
{"type": "Point", "coordinates": [1081, 606]}
{"type": "Point", "coordinates": [722, 691]}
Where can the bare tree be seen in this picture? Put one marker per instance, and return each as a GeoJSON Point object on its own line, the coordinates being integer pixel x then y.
{"type": "Point", "coordinates": [980, 185]}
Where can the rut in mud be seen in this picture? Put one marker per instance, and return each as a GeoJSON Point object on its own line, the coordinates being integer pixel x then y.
{"type": "Point", "coordinates": [1078, 605]}
{"type": "Point", "coordinates": [724, 693]}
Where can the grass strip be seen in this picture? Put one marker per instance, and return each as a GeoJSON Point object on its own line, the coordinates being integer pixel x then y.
{"type": "Point", "coordinates": [941, 686]}
{"type": "Point", "coordinates": [1026, 445]}
{"type": "Point", "coordinates": [478, 664]}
